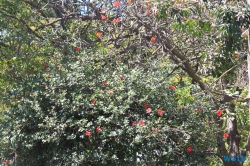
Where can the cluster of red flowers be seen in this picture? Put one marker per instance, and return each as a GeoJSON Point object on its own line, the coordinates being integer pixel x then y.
{"type": "Point", "coordinates": [189, 149]}
{"type": "Point", "coordinates": [116, 4]}
{"type": "Point", "coordinates": [197, 111]}
{"type": "Point", "coordinates": [6, 162]}
{"type": "Point", "coordinates": [102, 11]}
{"type": "Point", "coordinates": [46, 67]}
{"type": "Point", "coordinates": [93, 101]}
{"type": "Point", "coordinates": [172, 87]}
{"type": "Point", "coordinates": [153, 39]}
{"type": "Point", "coordinates": [148, 110]}
{"type": "Point", "coordinates": [160, 112]}
{"type": "Point", "coordinates": [98, 129]}
{"type": "Point", "coordinates": [98, 34]}
{"type": "Point", "coordinates": [226, 135]}
{"type": "Point", "coordinates": [116, 20]}
{"type": "Point", "coordinates": [103, 17]}
{"type": "Point", "coordinates": [104, 83]}
{"type": "Point", "coordinates": [141, 122]}
{"type": "Point", "coordinates": [78, 49]}
{"type": "Point", "coordinates": [88, 133]}
{"type": "Point", "coordinates": [219, 112]}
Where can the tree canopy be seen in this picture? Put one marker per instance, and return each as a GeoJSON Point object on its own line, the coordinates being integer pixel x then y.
{"type": "Point", "coordinates": [123, 82]}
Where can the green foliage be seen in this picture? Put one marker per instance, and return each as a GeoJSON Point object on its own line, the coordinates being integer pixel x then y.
{"type": "Point", "coordinates": [54, 109]}
{"type": "Point", "coordinates": [56, 95]}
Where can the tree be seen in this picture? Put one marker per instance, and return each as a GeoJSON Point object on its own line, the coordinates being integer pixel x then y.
{"type": "Point", "coordinates": [72, 37]}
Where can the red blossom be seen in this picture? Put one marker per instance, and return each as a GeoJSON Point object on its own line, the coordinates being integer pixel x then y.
{"type": "Point", "coordinates": [133, 123]}
{"type": "Point", "coordinates": [104, 83]}
{"type": "Point", "coordinates": [148, 11]}
{"type": "Point", "coordinates": [172, 87]}
{"type": "Point", "coordinates": [225, 135]}
{"type": "Point", "coordinates": [102, 10]}
{"type": "Point", "coordinates": [237, 55]}
{"type": "Point", "coordinates": [93, 101]}
{"type": "Point", "coordinates": [189, 149]}
{"type": "Point", "coordinates": [46, 67]}
{"type": "Point", "coordinates": [6, 162]}
{"type": "Point", "coordinates": [78, 49]}
{"type": "Point", "coordinates": [160, 112]}
{"type": "Point", "coordinates": [88, 133]}
{"type": "Point", "coordinates": [141, 122]}
{"type": "Point", "coordinates": [129, 1]}
{"type": "Point", "coordinates": [103, 17]}
{"type": "Point", "coordinates": [153, 39]}
{"type": "Point", "coordinates": [219, 112]}
{"type": "Point", "coordinates": [116, 4]}
{"type": "Point", "coordinates": [109, 91]}
{"type": "Point", "coordinates": [121, 78]}
{"type": "Point", "coordinates": [98, 34]}
{"type": "Point", "coordinates": [116, 20]}
{"type": "Point", "coordinates": [98, 129]}
{"type": "Point", "coordinates": [197, 111]}
{"type": "Point", "coordinates": [148, 110]}
{"type": "Point", "coordinates": [146, 105]}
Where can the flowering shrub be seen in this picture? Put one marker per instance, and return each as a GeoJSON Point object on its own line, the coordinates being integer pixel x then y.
{"type": "Point", "coordinates": [70, 118]}
{"type": "Point", "coordinates": [96, 109]}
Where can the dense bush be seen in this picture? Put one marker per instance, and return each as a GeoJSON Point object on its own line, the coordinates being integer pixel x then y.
{"type": "Point", "coordinates": [97, 113]}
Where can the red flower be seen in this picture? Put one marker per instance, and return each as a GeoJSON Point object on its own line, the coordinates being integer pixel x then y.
{"type": "Point", "coordinates": [148, 11]}
{"type": "Point", "coordinates": [102, 11]}
{"type": "Point", "coordinates": [189, 149]}
{"type": "Point", "coordinates": [148, 110]}
{"type": "Point", "coordinates": [160, 112]}
{"type": "Point", "coordinates": [133, 123]}
{"type": "Point", "coordinates": [172, 87]}
{"type": "Point", "coordinates": [93, 101]}
{"type": "Point", "coordinates": [104, 83]}
{"type": "Point", "coordinates": [141, 122]}
{"type": "Point", "coordinates": [98, 129]}
{"type": "Point", "coordinates": [116, 20]}
{"type": "Point", "coordinates": [237, 55]}
{"type": "Point", "coordinates": [121, 78]}
{"type": "Point", "coordinates": [197, 111]}
{"type": "Point", "coordinates": [153, 39]}
{"type": "Point", "coordinates": [146, 105]}
{"type": "Point", "coordinates": [129, 1]}
{"type": "Point", "coordinates": [103, 18]}
{"type": "Point", "coordinates": [219, 112]}
{"type": "Point", "coordinates": [116, 3]}
{"type": "Point", "coordinates": [109, 91]}
{"type": "Point", "coordinates": [78, 49]}
{"type": "Point", "coordinates": [46, 67]}
{"type": "Point", "coordinates": [6, 162]}
{"type": "Point", "coordinates": [88, 133]}
{"type": "Point", "coordinates": [225, 135]}
{"type": "Point", "coordinates": [98, 34]}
